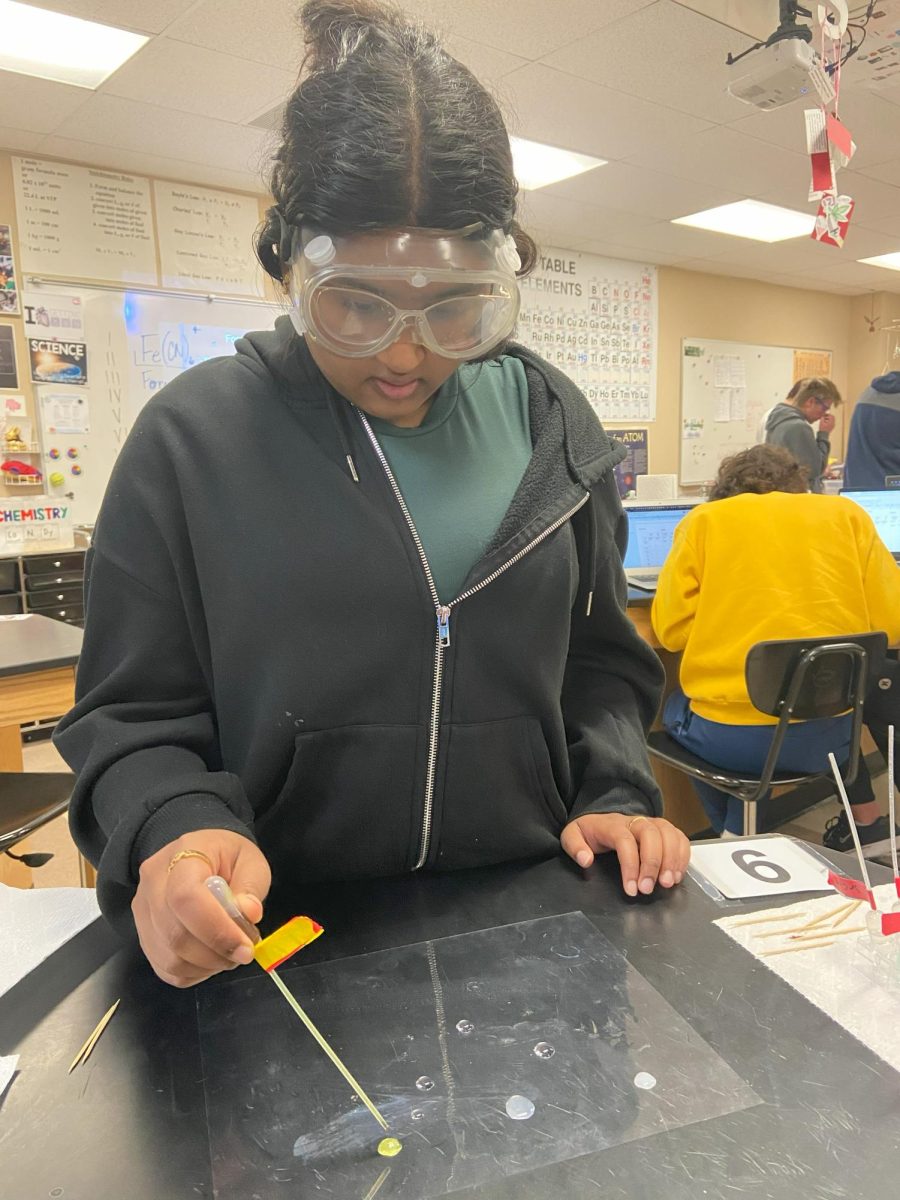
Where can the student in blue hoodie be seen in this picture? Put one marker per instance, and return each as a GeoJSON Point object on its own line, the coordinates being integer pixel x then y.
{"type": "Point", "coordinates": [873, 447]}
{"type": "Point", "coordinates": [355, 601]}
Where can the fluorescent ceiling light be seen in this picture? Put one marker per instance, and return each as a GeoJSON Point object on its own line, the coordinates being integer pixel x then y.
{"type": "Point", "coordinates": [537, 165]}
{"type": "Point", "coordinates": [34, 41]}
{"type": "Point", "coordinates": [891, 261]}
{"type": "Point", "coordinates": [752, 219]}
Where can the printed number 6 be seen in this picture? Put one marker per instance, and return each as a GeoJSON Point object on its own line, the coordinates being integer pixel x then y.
{"type": "Point", "coordinates": [764, 871]}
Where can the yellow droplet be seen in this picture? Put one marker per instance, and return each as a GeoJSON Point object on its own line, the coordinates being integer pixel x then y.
{"type": "Point", "coordinates": [389, 1147]}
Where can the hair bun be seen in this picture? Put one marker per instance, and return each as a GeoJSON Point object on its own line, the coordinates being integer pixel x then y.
{"type": "Point", "coordinates": [334, 29]}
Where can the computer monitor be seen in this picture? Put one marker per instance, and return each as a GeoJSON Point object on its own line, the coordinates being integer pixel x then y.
{"type": "Point", "coordinates": [650, 531]}
{"type": "Point", "coordinates": [884, 509]}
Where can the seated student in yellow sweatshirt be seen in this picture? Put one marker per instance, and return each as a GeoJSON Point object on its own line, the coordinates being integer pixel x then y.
{"type": "Point", "coordinates": [766, 559]}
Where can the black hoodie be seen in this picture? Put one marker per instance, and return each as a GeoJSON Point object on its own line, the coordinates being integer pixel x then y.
{"type": "Point", "coordinates": [263, 653]}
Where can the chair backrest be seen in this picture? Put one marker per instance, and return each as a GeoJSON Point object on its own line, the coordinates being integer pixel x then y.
{"type": "Point", "coordinates": [830, 673]}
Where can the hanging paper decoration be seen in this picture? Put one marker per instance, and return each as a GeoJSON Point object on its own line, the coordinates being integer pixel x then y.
{"type": "Point", "coordinates": [832, 219]}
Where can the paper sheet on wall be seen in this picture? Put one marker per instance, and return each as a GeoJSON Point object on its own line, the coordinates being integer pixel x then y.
{"type": "Point", "coordinates": [205, 239]}
{"type": "Point", "coordinates": [721, 371]}
{"type": "Point", "coordinates": [812, 364]}
{"type": "Point", "coordinates": [738, 404]}
{"type": "Point", "coordinates": [84, 222]}
{"type": "Point", "coordinates": [65, 413]}
{"type": "Point", "coordinates": [723, 404]}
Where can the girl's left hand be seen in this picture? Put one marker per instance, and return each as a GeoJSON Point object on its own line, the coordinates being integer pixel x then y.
{"type": "Point", "coordinates": [650, 849]}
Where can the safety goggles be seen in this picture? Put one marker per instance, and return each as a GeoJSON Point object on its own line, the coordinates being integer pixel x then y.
{"type": "Point", "coordinates": [456, 292]}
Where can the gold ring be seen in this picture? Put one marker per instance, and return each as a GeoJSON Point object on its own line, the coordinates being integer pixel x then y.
{"type": "Point", "coordinates": [633, 821]}
{"type": "Point", "coordinates": [191, 854]}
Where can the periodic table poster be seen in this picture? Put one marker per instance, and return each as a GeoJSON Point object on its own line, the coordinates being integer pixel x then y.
{"type": "Point", "coordinates": [597, 320]}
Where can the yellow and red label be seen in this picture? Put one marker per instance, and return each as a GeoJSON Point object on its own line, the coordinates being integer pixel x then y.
{"type": "Point", "coordinates": [296, 933]}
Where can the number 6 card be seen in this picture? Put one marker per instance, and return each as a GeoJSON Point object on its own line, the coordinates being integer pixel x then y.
{"type": "Point", "coordinates": [766, 866]}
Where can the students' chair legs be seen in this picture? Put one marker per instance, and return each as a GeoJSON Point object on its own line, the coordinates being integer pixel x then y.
{"type": "Point", "coordinates": [749, 818]}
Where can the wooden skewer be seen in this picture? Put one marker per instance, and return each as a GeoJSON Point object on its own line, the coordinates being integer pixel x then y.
{"type": "Point", "coordinates": [796, 949]}
{"type": "Point", "coordinates": [826, 916]}
{"type": "Point", "coordinates": [767, 920]}
{"type": "Point", "coordinates": [89, 1045]}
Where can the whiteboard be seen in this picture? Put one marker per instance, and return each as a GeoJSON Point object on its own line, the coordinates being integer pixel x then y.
{"type": "Point", "coordinates": [726, 389]}
{"type": "Point", "coordinates": [136, 343]}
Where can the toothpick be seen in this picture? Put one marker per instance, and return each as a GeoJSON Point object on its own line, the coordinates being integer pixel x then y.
{"type": "Point", "coordinates": [851, 909]}
{"type": "Point", "coordinates": [795, 949]}
{"type": "Point", "coordinates": [376, 1186]}
{"type": "Point", "coordinates": [84, 1052]}
{"type": "Point", "coordinates": [766, 920]}
{"type": "Point", "coordinates": [812, 937]}
{"type": "Point", "coordinates": [847, 809]}
{"type": "Point", "coordinates": [820, 920]}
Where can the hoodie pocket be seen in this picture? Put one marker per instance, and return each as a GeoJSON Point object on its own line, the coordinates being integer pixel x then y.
{"type": "Point", "coordinates": [347, 805]}
{"type": "Point", "coordinates": [500, 799]}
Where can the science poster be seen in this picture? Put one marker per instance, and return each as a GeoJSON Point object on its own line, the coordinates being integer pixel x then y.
{"type": "Point", "coordinates": [57, 361]}
{"type": "Point", "coordinates": [9, 287]}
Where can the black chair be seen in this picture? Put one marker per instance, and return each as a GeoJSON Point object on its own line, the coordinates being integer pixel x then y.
{"type": "Point", "coordinates": [28, 800]}
{"type": "Point", "coordinates": [796, 679]}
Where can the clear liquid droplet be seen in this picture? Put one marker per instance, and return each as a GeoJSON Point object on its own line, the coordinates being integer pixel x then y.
{"type": "Point", "coordinates": [417, 1114]}
{"type": "Point", "coordinates": [645, 1081]}
{"type": "Point", "coordinates": [464, 1027]}
{"type": "Point", "coordinates": [519, 1108]}
{"type": "Point", "coordinates": [544, 1050]}
{"type": "Point", "coordinates": [424, 1084]}
{"type": "Point", "coordinates": [566, 951]}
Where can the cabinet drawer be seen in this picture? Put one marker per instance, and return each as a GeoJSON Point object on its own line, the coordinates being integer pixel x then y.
{"type": "Point", "coordinates": [53, 564]}
{"type": "Point", "coordinates": [54, 597]}
{"type": "Point", "coordinates": [9, 605]}
{"type": "Point", "coordinates": [39, 583]}
{"type": "Point", "coordinates": [9, 576]}
{"type": "Point", "coordinates": [72, 614]}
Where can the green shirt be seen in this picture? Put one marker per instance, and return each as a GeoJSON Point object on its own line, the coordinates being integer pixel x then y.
{"type": "Point", "coordinates": [459, 469]}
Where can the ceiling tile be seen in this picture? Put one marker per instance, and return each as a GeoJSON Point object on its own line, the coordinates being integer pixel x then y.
{"type": "Point", "coordinates": [37, 105]}
{"type": "Point", "coordinates": [17, 139]}
{"type": "Point", "coordinates": [666, 238]}
{"type": "Point", "coordinates": [721, 156]}
{"type": "Point", "coordinates": [530, 27]}
{"type": "Point", "coordinates": [485, 63]}
{"type": "Point", "coordinates": [550, 217]}
{"type": "Point", "coordinates": [550, 106]}
{"type": "Point", "coordinates": [158, 166]}
{"type": "Point", "coordinates": [263, 31]}
{"type": "Point", "coordinates": [873, 122]}
{"type": "Point", "coordinates": [199, 81]}
{"type": "Point", "coordinates": [800, 254]}
{"type": "Point", "coordinates": [636, 189]}
{"type": "Point", "coordinates": [665, 53]}
{"type": "Point", "coordinates": [875, 201]}
{"type": "Point", "coordinates": [886, 172]}
{"type": "Point", "coordinates": [126, 14]}
{"type": "Point", "coordinates": [130, 125]}
{"type": "Point", "coordinates": [873, 279]}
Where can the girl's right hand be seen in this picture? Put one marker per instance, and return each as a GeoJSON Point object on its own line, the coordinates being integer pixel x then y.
{"type": "Point", "coordinates": [185, 933]}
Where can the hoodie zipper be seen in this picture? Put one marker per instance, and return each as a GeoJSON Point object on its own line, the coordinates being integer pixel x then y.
{"type": "Point", "coordinates": [442, 635]}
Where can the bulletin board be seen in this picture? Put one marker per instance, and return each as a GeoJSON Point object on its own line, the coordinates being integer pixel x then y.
{"type": "Point", "coordinates": [726, 390]}
{"type": "Point", "coordinates": [136, 342]}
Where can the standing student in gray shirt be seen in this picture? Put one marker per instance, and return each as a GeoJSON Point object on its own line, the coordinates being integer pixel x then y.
{"type": "Point", "coordinates": [790, 425]}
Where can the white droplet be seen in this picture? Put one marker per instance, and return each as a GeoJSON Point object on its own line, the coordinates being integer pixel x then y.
{"type": "Point", "coordinates": [464, 1027]}
{"type": "Point", "coordinates": [417, 1114]}
{"type": "Point", "coordinates": [519, 1108]}
{"type": "Point", "coordinates": [544, 1050]}
{"type": "Point", "coordinates": [424, 1084]}
{"type": "Point", "coordinates": [645, 1081]}
{"type": "Point", "coordinates": [565, 951]}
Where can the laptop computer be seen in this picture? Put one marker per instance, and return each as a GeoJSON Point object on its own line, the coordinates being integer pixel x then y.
{"type": "Point", "coordinates": [884, 509]}
{"type": "Point", "coordinates": [651, 528]}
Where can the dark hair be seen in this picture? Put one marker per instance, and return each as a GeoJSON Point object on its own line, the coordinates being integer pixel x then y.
{"type": "Point", "coordinates": [386, 130]}
{"type": "Point", "coordinates": [760, 469]}
{"type": "Point", "coordinates": [815, 388]}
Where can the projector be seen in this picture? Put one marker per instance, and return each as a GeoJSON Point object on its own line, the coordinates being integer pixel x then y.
{"type": "Point", "coordinates": [777, 74]}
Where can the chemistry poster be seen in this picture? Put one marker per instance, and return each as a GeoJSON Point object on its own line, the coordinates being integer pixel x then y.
{"type": "Point", "coordinates": [9, 376]}
{"type": "Point", "coordinates": [627, 471]}
{"type": "Point", "coordinates": [57, 361]}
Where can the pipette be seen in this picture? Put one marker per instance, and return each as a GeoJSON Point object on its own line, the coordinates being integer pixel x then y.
{"type": "Point", "coordinates": [271, 952]}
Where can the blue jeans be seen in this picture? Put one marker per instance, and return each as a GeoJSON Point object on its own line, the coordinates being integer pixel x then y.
{"type": "Point", "coordinates": [744, 748]}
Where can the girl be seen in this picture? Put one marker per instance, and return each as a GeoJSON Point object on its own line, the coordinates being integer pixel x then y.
{"type": "Point", "coordinates": [356, 606]}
